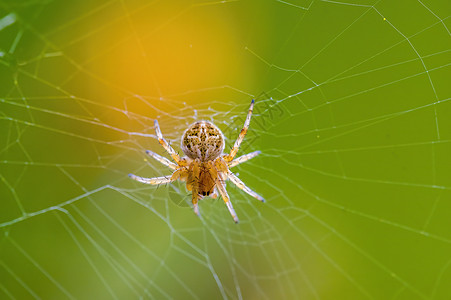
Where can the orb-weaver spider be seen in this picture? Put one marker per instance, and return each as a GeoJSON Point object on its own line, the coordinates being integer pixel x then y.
{"type": "Point", "coordinates": [205, 168]}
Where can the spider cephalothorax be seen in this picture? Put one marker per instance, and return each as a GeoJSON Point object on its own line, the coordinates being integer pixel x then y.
{"type": "Point", "coordinates": [205, 168]}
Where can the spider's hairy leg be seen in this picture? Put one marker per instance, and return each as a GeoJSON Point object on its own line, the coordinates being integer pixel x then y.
{"type": "Point", "coordinates": [154, 180]}
{"type": "Point", "coordinates": [243, 158]}
{"type": "Point", "coordinates": [220, 183]}
{"type": "Point", "coordinates": [220, 165]}
{"type": "Point", "coordinates": [178, 174]}
{"type": "Point", "coordinates": [240, 138]}
{"type": "Point", "coordinates": [195, 200]}
{"type": "Point", "coordinates": [162, 159]}
{"type": "Point", "coordinates": [193, 185]}
{"type": "Point", "coordinates": [214, 195]}
{"type": "Point", "coordinates": [233, 178]}
{"type": "Point", "coordinates": [165, 144]}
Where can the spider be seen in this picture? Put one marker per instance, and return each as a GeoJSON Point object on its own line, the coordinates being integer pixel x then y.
{"type": "Point", "coordinates": [205, 168]}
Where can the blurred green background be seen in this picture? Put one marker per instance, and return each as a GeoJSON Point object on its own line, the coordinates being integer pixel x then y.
{"type": "Point", "coordinates": [352, 117]}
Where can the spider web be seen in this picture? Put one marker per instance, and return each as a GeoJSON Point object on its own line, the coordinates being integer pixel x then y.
{"type": "Point", "coordinates": [352, 118]}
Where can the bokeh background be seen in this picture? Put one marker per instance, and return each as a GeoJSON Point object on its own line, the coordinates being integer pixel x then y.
{"type": "Point", "coordinates": [352, 116]}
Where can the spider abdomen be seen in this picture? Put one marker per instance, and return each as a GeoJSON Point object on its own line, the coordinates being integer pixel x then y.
{"type": "Point", "coordinates": [203, 140]}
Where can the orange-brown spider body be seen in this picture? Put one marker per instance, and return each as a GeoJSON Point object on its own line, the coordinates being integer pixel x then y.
{"type": "Point", "coordinates": [205, 168]}
{"type": "Point", "coordinates": [203, 140]}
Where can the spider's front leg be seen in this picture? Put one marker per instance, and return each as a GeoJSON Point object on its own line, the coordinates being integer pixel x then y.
{"type": "Point", "coordinates": [220, 183]}
{"type": "Point", "coordinates": [220, 167]}
{"type": "Point", "coordinates": [235, 180]}
{"type": "Point", "coordinates": [192, 184]}
{"type": "Point", "coordinates": [214, 195]}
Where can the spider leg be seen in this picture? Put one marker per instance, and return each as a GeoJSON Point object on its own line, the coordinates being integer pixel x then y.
{"type": "Point", "coordinates": [243, 158]}
{"type": "Point", "coordinates": [193, 182]}
{"type": "Point", "coordinates": [162, 159]}
{"type": "Point", "coordinates": [222, 190]}
{"type": "Point", "coordinates": [214, 195]}
{"type": "Point", "coordinates": [242, 186]}
{"type": "Point", "coordinates": [195, 204]}
{"type": "Point", "coordinates": [154, 180]}
{"type": "Point", "coordinates": [240, 138]}
{"type": "Point", "coordinates": [165, 144]}
{"type": "Point", "coordinates": [160, 180]}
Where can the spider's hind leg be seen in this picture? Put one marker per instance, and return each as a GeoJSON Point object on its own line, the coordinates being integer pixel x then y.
{"type": "Point", "coordinates": [243, 132]}
{"type": "Point", "coordinates": [162, 159]}
{"type": "Point", "coordinates": [165, 144]}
